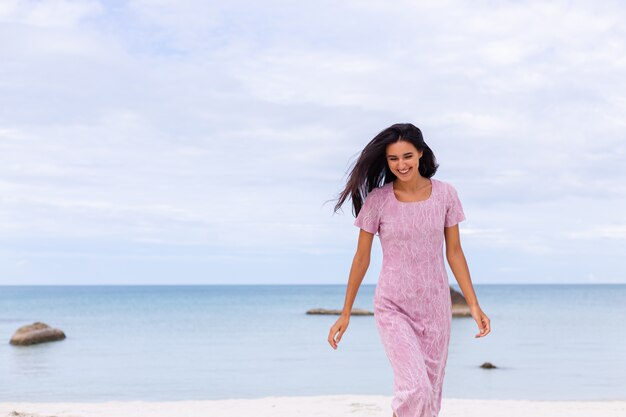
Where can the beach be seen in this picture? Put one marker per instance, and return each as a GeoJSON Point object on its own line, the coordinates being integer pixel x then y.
{"type": "Point", "coordinates": [311, 406]}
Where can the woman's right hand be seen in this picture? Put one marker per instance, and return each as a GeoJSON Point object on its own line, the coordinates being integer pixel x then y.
{"type": "Point", "coordinates": [338, 329]}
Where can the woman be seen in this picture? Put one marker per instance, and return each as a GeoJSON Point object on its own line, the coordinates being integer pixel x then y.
{"type": "Point", "coordinates": [412, 214]}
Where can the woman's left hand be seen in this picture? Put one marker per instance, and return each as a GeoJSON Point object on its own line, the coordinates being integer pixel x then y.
{"type": "Point", "coordinates": [482, 320]}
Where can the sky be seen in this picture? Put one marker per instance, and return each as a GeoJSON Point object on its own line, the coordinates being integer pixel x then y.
{"type": "Point", "coordinates": [201, 142]}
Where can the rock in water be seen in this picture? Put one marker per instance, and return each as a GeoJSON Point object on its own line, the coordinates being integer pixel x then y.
{"type": "Point", "coordinates": [36, 333]}
{"type": "Point", "coordinates": [354, 312]}
{"type": "Point", "coordinates": [459, 305]}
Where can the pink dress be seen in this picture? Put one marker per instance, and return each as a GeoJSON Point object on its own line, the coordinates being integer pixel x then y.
{"type": "Point", "coordinates": [412, 305]}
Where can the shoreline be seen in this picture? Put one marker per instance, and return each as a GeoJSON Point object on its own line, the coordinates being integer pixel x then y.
{"type": "Point", "coordinates": [313, 406]}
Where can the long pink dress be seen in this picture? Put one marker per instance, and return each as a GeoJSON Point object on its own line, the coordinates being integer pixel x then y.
{"type": "Point", "coordinates": [412, 305]}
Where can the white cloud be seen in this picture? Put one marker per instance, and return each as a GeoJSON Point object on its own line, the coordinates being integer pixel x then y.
{"type": "Point", "coordinates": [616, 231]}
{"type": "Point", "coordinates": [49, 13]}
{"type": "Point", "coordinates": [230, 125]}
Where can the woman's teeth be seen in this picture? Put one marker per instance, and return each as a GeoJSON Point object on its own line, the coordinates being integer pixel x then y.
{"type": "Point", "coordinates": [404, 172]}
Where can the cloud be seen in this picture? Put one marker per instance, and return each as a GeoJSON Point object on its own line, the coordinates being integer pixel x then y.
{"type": "Point", "coordinates": [60, 14]}
{"type": "Point", "coordinates": [227, 126]}
{"type": "Point", "coordinates": [617, 232]}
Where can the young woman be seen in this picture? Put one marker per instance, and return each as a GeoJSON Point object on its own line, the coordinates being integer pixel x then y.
{"type": "Point", "coordinates": [412, 214]}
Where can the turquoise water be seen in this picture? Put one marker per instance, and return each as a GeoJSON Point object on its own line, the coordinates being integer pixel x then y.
{"type": "Point", "coordinates": [557, 342]}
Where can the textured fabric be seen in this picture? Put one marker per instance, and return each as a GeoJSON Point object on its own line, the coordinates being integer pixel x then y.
{"type": "Point", "coordinates": [412, 305]}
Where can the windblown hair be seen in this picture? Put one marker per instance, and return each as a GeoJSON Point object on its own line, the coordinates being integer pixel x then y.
{"type": "Point", "coordinates": [371, 170]}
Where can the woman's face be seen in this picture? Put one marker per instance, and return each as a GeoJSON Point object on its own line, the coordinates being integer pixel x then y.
{"type": "Point", "coordinates": [403, 159]}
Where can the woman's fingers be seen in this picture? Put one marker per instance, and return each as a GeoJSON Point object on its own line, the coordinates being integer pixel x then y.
{"type": "Point", "coordinates": [339, 334]}
{"type": "Point", "coordinates": [331, 338]}
{"type": "Point", "coordinates": [483, 325]}
{"type": "Point", "coordinates": [335, 334]}
{"type": "Point", "coordinates": [487, 325]}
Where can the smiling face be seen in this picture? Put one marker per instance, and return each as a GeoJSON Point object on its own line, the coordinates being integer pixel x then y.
{"type": "Point", "coordinates": [403, 160]}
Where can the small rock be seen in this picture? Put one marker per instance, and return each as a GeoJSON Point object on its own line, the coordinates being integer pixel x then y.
{"type": "Point", "coordinates": [36, 333]}
{"type": "Point", "coordinates": [488, 365]}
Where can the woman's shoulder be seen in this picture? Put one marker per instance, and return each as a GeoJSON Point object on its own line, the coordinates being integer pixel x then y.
{"type": "Point", "coordinates": [381, 190]}
{"type": "Point", "coordinates": [447, 185]}
{"type": "Point", "coordinates": [447, 189]}
{"type": "Point", "coordinates": [378, 193]}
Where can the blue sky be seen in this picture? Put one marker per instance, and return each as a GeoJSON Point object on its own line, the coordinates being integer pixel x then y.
{"type": "Point", "coordinates": [197, 142]}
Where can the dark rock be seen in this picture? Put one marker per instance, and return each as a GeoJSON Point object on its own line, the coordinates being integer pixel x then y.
{"type": "Point", "coordinates": [488, 365]}
{"type": "Point", "coordinates": [355, 312]}
{"type": "Point", "coordinates": [459, 305]}
{"type": "Point", "coordinates": [36, 333]}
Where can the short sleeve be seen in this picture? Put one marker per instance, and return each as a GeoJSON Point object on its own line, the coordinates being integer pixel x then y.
{"type": "Point", "coordinates": [368, 218]}
{"type": "Point", "coordinates": [454, 209]}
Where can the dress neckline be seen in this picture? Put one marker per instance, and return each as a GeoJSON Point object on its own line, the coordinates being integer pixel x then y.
{"type": "Point", "coordinates": [393, 195]}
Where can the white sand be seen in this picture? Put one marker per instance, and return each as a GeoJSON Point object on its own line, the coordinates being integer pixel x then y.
{"type": "Point", "coordinates": [326, 406]}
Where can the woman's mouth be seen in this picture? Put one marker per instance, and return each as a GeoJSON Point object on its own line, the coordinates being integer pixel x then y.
{"type": "Point", "coordinates": [405, 171]}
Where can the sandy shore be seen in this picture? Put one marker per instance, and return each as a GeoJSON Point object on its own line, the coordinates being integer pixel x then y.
{"type": "Point", "coordinates": [326, 406]}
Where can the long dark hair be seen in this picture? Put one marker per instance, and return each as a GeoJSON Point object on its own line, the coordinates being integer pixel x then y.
{"type": "Point", "coordinates": [371, 169]}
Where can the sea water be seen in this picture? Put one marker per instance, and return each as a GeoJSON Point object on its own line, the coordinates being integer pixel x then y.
{"type": "Point", "coordinates": [159, 343]}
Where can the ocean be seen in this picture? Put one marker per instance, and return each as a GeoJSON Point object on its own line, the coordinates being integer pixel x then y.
{"type": "Point", "coordinates": [161, 343]}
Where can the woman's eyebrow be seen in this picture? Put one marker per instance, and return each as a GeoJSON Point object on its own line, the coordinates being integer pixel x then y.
{"type": "Point", "coordinates": [406, 154]}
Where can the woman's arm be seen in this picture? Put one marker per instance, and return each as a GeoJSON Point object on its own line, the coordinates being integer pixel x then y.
{"type": "Point", "coordinates": [458, 265]}
{"type": "Point", "coordinates": [360, 263]}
